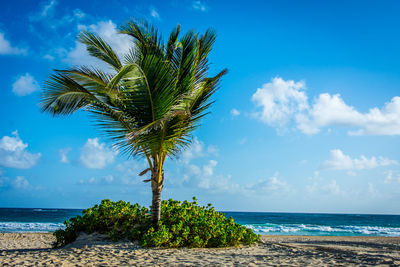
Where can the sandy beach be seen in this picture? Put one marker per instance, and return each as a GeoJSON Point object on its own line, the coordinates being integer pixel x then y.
{"type": "Point", "coordinates": [33, 249]}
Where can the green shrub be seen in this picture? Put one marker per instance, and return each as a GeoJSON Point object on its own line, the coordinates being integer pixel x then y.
{"type": "Point", "coordinates": [182, 224]}
{"type": "Point", "coordinates": [118, 220]}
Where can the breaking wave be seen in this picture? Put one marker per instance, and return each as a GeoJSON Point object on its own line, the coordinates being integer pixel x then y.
{"type": "Point", "coordinates": [12, 227]}
{"type": "Point", "coordinates": [303, 229]}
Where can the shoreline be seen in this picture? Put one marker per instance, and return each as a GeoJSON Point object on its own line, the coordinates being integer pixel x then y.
{"type": "Point", "coordinates": [262, 235]}
{"type": "Point", "coordinates": [35, 249]}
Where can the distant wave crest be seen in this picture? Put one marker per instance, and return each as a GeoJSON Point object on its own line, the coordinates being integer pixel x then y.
{"type": "Point", "coordinates": [45, 210]}
{"type": "Point", "coordinates": [10, 227]}
{"type": "Point", "coordinates": [302, 229]}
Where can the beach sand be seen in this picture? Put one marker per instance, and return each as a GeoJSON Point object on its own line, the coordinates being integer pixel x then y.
{"type": "Point", "coordinates": [34, 249]}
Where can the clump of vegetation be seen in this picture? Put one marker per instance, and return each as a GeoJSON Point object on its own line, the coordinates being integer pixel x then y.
{"type": "Point", "coordinates": [182, 224]}
{"type": "Point", "coordinates": [118, 220]}
{"type": "Point", "coordinates": [186, 224]}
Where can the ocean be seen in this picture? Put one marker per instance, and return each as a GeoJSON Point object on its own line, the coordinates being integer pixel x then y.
{"type": "Point", "coordinates": [268, 223]}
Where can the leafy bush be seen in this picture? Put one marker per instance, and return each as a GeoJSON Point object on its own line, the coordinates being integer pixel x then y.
{"type": "Point", "coordinates": [186, 224]}
{"type": "Point", "coordinates": [182, 224]}
{"type": "Point", "coordinates": [118, 220]}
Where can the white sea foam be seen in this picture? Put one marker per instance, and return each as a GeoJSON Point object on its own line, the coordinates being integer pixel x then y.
{"type": "Point", "coordinates": [7, 227]}
{"type": "Point", "coordinates": [302, 229]}
{"type": "Point", "coordinates": [45, 210]}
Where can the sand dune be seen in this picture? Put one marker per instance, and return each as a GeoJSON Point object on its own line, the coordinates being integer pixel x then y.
{"type": "Point", "coordinates": [35, 249]}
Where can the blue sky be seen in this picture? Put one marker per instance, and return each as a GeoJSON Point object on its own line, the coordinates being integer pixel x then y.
{"type": "Point", "coordinates": [307, 120]}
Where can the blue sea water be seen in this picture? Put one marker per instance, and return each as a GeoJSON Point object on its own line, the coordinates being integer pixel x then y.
{"type": "Point", "coordinates": [48, 220]}
{"type": "Point", "coordinates": [34, 220]}
{"type": "Point", "coordinates": [319, 224]}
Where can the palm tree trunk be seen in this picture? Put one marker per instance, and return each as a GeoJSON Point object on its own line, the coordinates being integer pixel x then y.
{"type": "Point", "coordinates": [156, 202]}
{"type": "Point", "coordinates": [156, 207]}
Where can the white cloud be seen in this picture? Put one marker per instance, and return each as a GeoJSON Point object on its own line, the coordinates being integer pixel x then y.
{"type": "Point", "coordinates": [48, 9]}
{"type": "Point", "coordinates": [208, 169]}
{"type": "Point", "coordinates": [129, 172]}
{"type": "Point", "coordinates": [203, 176]}
{"type": "Point", "coordinates": [13, 153]}
{"type": "Point", "coordinates": [327, 110]}
{"type": "Point", "coordinates": [332, 110]}
{"type": "Point", "coordinates": [206, 178]}
{"type": "Point", "coordinates": [21, 183]}
{"type": "Point", "coordinates": [154, 13]}
{"type": "Point", "coordinates": [219, 183]}
{"type": "Point", "coordinates": [340, 161]}
{"type": "Point", "coordinates": [211, 149]}
{"type": "Point", "coordinates": [129, 167]}
{"type": "Point", "coordinates": [64, 154]}
{"type": "Point", "coordinates": [193, 169]}
{"type": "Point", "coordinates": [318, 187]}
{"type": "Point", "coordinates": [279, 100]}
{"type": "Point", "coordinates": [96, 155]}
{"type": "Point", "coordinates": [121, 43]}
{"type": "Point", "coordinates": [235, 112]}
{"type": "Point", "coordinates": [392, 177]}
{"type": "Point", "coordinates": [333, 188]}
{"type": "Point", "coordinates": [205, 183]}
{"type": "Point", "coordinates": [272, 185]}
{"type": "Point", "coordinates": [108, 178]}
{"type": "Point", "coordinates": [313, 187]}
{"type": "Point", "coordinates": [284, 101]}
{"type": "Point", "coordinates": [199, 5]}
{"type": "Point", "coordinates": [25, 85]}
{"type": "Point", "coordinates": [79, 56]}
{"type": "Point", "coordinates": [75, 16]}
{"type": "Point", "coordinates": [7, 49]}
{"type": "Point", "coordinates": [53, 53]}
{"type": "Point", "coordinates": [195, 150]}
{"type": "Point", "coordinates": [79, 13]}
{"type": "Point", "coordinates": [46, 15]}
{"type": "Point", "coordinates": [48, 57]}
{"type": "Point", "coordinates": [91, 180]}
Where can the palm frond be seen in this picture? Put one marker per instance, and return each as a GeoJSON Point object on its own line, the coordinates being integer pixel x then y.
{"type": "Point", "coordinates": [98, 48]}
{"type": "Point", "coordinates": [153, 102]}
{"type": "Point", "coordinates": [146, 36]}
{"type": "Point", "coordinates": [172, 42]}
{"type": "Point", "coordinates": [63, 95]}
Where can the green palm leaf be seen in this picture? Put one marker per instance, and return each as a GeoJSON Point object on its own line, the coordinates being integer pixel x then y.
{"type": "Point", "coordinates": [98, 48]}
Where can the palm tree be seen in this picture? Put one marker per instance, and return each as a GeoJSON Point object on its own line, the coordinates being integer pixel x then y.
{"type": "Point", "coordinates": [149, 102]}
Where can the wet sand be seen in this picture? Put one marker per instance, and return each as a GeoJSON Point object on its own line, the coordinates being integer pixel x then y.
{"type": "Point", "coordinates": [34, 249]}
